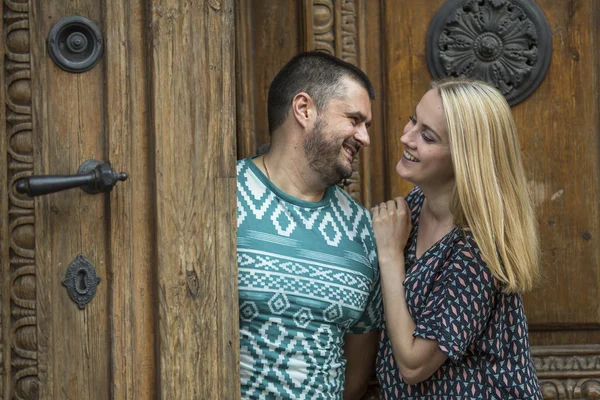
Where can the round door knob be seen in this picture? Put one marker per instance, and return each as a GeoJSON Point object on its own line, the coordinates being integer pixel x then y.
{"type": "Point", "coordinates": [75, 44]}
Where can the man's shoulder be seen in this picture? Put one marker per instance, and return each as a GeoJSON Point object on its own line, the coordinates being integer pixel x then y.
{"type": "Point", "coordinates": [242, 166]}
{"type": "Point", "coordinates": [241, 163]}
{"type": "Point", "coordinates": [342, 196]}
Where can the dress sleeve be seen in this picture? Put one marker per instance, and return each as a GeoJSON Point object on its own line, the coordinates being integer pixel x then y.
{"type": "Point", "coordinates": [460, 302]}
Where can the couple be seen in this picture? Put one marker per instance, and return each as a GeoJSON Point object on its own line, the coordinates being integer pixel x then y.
{"type": "Point", "coordinates": [425, 290]}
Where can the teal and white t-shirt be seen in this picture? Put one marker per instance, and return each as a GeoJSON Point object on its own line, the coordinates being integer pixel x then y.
{"type": "Point", "coordinates": [308, 274]}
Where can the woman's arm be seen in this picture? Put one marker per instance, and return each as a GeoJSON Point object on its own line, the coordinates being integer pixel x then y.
{"type": "Point", "coordinates": [417, 358]}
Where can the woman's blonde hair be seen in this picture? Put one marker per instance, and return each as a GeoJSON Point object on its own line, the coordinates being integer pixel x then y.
{"type": "Point", "coordinates": [491, 196]}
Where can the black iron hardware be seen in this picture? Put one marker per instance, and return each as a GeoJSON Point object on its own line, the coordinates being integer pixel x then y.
{"type": "Point", "coordinates": [75, 44]}
{"type": "Point", "coordinates": [81, 281]}
{"type": "Point", "coordinates": [507, 43]}
{"type": "Point", "coordinates": [93, 177]}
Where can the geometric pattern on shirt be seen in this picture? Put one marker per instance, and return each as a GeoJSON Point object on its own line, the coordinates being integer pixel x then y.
{"type": "Point", "coordinates": [275, 350]}
{"type": "Point", "coordinates": [306, 276]}
{"type": "Point", "coordinates": [455, 300]}
{"type": "Point", "coordinates": [302, 279]}
{"type": "Point", "coordinates": [343, 218]}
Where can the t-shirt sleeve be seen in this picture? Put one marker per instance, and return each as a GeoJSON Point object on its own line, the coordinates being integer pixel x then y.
{"type": "Point", "coordinates": [460, 302]}
{"type": "Point", "coordinates": [371, 316]}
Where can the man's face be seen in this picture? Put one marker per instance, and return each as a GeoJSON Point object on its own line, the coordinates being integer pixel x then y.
{"type": "Point", "coordinates": [338, 134]}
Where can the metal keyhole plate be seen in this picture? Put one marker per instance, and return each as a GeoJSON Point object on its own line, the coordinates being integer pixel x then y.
{"type": "Point", "coordinates": [81, 281]}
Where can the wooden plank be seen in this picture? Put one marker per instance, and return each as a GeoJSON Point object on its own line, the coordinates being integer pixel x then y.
{"type": "Point", "coordinates": [406, 76]}
{"type": "Point", "coordinates": [558, 121]}
{"type": "Point", "coordinates": [131, 263]}
{"type": "Point", "coordinates": [193, 118]}
{"type": "Point", "coordinates": [275, 39]}
{"type": "Point", "coordinates": [68, 128]}
{"type": "Point", "coordinates": [268, 35]}
{"type": "Point", "coordinates": [375, 165]}
{"type": "Point", "coordinates": [245, 84]}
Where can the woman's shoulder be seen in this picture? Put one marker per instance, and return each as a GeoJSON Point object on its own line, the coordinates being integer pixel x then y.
{"type": "Point", "coordinates": [467, 258]}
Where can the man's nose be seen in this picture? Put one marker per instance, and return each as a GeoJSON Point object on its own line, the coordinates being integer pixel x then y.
{"type": "Point", "coordinates": [362, 135]}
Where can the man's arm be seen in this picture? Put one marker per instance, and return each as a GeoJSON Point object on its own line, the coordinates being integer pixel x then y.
{"type": "Point", "coordinates": [360, 352]}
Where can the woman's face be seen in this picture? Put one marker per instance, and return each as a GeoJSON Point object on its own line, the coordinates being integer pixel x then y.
{"type": "Point", "coordinates": [426, 160]}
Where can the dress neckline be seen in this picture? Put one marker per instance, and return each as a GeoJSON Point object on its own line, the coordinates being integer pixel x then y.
{"type": "Point", "coordinates": [411, 251]}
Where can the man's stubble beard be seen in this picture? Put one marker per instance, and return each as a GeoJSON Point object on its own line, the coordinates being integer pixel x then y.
{"type": "Point", "coordinates": [324, 156]}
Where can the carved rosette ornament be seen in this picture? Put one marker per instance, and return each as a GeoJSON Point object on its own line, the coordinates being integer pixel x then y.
{"type": "Point", "coordinates": [331, 26]}
{"type": "Point", "coordinates": [20, 345]}
{"type": "Point", "coordinates": [505, 43]}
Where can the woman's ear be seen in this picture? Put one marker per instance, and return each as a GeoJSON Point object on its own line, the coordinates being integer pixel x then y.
{"type": "Point", "coordinates": [303, 109]}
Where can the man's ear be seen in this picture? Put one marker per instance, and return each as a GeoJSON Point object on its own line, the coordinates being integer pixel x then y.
{"type": "Point", "coordinates": [303, 109]}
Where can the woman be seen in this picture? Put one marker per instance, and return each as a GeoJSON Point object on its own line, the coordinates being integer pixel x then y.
{"type": "Point", "coordinates": [456, 254]}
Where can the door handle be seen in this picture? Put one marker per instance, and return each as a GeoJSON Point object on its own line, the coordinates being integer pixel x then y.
{"type": "Point", "coordinates": [93, 177]}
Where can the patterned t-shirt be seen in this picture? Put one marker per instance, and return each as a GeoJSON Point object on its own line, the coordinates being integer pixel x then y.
{"type": "Point", "coordinates": [454, 299]}
{"type": "Point", "coordinates": [308, 274]}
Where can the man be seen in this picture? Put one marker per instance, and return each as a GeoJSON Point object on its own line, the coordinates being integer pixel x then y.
{"type": "Point", "coordinates": [308, 278]}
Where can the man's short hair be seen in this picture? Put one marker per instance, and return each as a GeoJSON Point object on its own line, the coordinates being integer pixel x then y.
{"type": "Point", "coordinates": [316, 73]}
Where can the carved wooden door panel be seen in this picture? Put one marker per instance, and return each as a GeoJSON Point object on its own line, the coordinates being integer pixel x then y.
{"type": "Point", "coordinates": [558, 121]}
{"type": "Point", "coordinates": [163, 319]}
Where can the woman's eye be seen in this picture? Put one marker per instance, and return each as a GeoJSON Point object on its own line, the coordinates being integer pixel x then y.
{"type": "Point", "coordinates": [427, 138]}
{"type": "Point", "coordinates": [412, 119]}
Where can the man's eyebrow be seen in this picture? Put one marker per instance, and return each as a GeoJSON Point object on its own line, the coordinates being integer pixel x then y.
{"type": "Point", "coordinates": [427, 126]}
{"type": "Point", "coordinates": [360, 116]}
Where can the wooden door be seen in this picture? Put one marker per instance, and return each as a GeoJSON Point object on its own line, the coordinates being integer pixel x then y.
{"type": "Point", "coordinates": [558, 123]}
{"type": "Point", "coordinates": [163, 321]}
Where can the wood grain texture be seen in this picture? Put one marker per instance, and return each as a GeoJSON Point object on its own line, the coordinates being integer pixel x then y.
{"type": "Point", "coordinates": [374, 166]}
{"type": "Point", "coordinates": [52, 122]}
{"type": "Point", "coordinates": [560, 119]}
{"type": "Point", "coordinates": [270, 30]}
{"type": "Point", "coordinates": [406, 75]}
{"type": "Point", "coordinates": [131, 207]}
{"type": "Point", "coordinates": [193, 119]}
{"type": "Point", "coordinates": [245, 84]}
{"type": "Point", "coordinates": [68, 128]}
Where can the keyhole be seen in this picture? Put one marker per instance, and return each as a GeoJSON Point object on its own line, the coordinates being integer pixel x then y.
{"type": "Point", "coordinates": [81, 283]}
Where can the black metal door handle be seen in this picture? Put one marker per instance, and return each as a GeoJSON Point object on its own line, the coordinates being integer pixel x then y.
{"type": "Point", "coordinates": [93, 177]}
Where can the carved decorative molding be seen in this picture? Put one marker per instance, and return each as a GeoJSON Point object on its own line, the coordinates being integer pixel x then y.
{"type": "Point", "coordinates": [332, 27]}
{"type": "Point", "coordinates": [570, 389]}
{"type": "Point", "coordinates": [565, 373]}
{"type": "Point", "coordinates": [21, 271]}
{"type": "Point", "coordinates": [568, 372]}
{"type": "Point", "coordinates": [506, 43]}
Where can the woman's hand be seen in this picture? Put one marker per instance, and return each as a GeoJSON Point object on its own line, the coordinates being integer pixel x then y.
{"type": "Point", "coordinates": [391, 225]}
